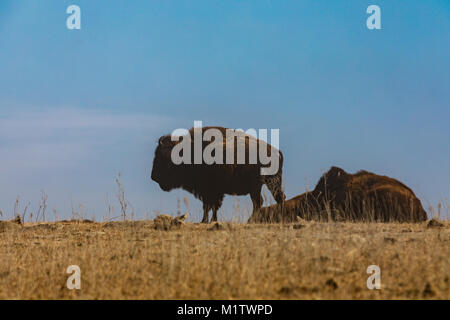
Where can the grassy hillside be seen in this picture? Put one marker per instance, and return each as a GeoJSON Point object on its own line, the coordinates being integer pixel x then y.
{"type": "Point", "coordinates": [306, 260]}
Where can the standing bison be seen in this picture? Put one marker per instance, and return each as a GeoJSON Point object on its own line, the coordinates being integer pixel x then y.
{"type": "Point", "coordinates": [232, 162]}
{"type": "Point", "coordinates": [340, 196]}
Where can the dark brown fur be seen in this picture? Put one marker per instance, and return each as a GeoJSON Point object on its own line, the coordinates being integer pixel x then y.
{"type": "Point", "coordinates": [210, 183]}
{"type": "Point", "coordinates": [340, 196]}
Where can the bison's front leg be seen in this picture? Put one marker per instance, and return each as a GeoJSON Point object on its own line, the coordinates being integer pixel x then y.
{"type": "Point", "coordinates": [205, 213]}
{"type": "Point", "coordinates": [215, 207]}
{"type": "Point", "coordinates": [214, 216]}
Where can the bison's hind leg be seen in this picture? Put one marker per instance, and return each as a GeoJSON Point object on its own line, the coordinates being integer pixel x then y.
{"type": "Point", "coordinates": [206, 209]}
{"type": "Point", "coordinates": [274, 184]}
{"type": "Point", "coordinates": [257, 199]}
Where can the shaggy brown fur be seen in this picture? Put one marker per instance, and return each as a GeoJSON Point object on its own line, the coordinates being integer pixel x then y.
{"type": "Point", "coordinates": [338, 196]}
{"type": "Point", "coordinates": [210, 183]}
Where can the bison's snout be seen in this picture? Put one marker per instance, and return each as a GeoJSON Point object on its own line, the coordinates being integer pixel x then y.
{"type": "Point", "coordinates": [164, 187]}
{"type": "Point", "coordinates": [155, 177]}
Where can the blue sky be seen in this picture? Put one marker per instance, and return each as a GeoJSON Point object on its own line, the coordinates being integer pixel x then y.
{"type": "Point", "coordinates": [79, 106]}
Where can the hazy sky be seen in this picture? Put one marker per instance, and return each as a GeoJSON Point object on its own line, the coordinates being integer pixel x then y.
{"type": "Point", "coordinates": [79, 106]}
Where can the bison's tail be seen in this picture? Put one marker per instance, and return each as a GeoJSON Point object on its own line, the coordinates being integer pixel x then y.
{"type": "Point", "coordinates": [282, 197]}
{"type": "Point", "coordinates": [281, 161]}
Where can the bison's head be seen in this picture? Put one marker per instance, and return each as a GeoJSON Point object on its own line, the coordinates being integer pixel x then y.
{"type": "Point", "coordinates": [163, 171]}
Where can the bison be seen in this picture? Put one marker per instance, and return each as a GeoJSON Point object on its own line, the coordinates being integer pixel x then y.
{"type": "Point", "coordinates": [340, 196]}
{"type": "Point", "coordinates": [210, 182]}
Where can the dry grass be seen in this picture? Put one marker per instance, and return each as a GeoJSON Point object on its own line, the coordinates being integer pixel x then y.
{"type": "Point", "coordinates": [309, 260]}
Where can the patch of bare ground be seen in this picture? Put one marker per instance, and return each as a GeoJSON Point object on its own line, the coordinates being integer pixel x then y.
{"type": "Point", "coordinates": [304, 260]}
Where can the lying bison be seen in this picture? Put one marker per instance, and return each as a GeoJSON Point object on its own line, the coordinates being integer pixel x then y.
{"type": "Point", "coordinates": [227, 175]}
{"type": "Point", "coordinates": [341, 196]}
